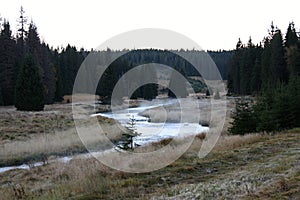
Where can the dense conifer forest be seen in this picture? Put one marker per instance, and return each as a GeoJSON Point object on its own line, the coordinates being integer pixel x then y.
{"type": "Point", "coordinates": [270, 72]}
{"type": "Point", "coordinates": [57, 67]}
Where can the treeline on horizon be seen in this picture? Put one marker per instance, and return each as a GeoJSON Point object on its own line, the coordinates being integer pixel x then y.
{"type": "Point", "coordinates": [57, 68]}
{"type": "Point", "coordinates": [270, 71]}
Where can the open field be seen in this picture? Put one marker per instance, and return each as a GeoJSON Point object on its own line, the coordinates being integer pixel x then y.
{"type": "Point", "coordinates": [27, 137]}
{"type": "Point", "coordinates": [256, 166]}
{"type": "Point", "coordinates": [243, 167]}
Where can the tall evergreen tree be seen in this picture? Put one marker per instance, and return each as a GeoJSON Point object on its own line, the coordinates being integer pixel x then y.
{"type": "Point", "coordinates": [246, 68]}
{"type": "Point", "coordinates": [58, 78]}
{"type": "Point", "coordinates": [48, 73]}
{"type": "Point", "coordinates": [29, 94]}
{"type": "Point", "coordinates": [69, 63]}
{"type": "Point", "coordinates": [7, 64]}
{"type": "Point", "coordinates": [234, 69]}
{"type": "Point", "coordinates": [291, 37]}
{"type": "Point", "coordinates": [33, 43]}
{"type": "Point", "coordinates": [292, 45]}
{"type": "Point", "coordinates": [277, 105]}
{"type": "Point", "coordinates": [22, 32]}
{"type": "Point", "coordinates": [278, 64]}
{"type": "Point", "coordinates": [43, 58]}
{"type": "Point", "coordinates": [108, 82]}
{"type": "Point", "coordinates": [266, 73]}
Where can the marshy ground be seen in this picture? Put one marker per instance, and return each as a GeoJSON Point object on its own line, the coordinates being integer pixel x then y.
{"type": "Point", "coordinates": [257, 166]}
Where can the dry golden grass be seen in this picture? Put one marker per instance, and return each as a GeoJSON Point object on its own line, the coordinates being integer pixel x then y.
{"type": "Point", "coordinates": [34, 136]}
{"type": "Point", "coordinates": [57, 143]}
{"type": "Point", "coordinates": [79, 98]}
{"type": "Point", "coordinates": [239, 167]}
{"type": "Point", "coordinates": [236, 141]}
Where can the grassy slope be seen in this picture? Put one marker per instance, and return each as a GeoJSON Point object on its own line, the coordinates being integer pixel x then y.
{"type": "Point", "coordinates": [249, 167]}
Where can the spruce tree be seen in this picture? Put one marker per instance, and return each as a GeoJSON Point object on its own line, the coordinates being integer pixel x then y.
{"type": "Point", "coordinates": [107, 83]}
{"type": "Point", "coordinates": [246, 68]}
{"type": "Point", "coordinates": [266, 74]}
{"type": "Point", "coordinates": [291, 37]}
{"type": "Point", "coordinates": [265, 112]}
{"type": "Point", "coordinates": [278, 64]}
{"type": "Point", "coordinates": [234, 69]}
{"type": "Point", "coordinates": [69, 63]}
{"type": "Point", "coordinates": [21, 32]}
{"type": "Point", "coordinates": [127, 142]}
{"type": "Point", "coordinates": [58, 79]}
{"type": "Point", "coordinates": [244, 120]}
{"type": "Point", "coordinates": [7, 64]}
{"type": "Point", "coordinates": [29, 93]}
{"type": "Point", "coordinates": [292, 45]}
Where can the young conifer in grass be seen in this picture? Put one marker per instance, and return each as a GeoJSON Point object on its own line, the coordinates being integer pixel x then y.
{"type": "Point", "coordinates": [127, 141]}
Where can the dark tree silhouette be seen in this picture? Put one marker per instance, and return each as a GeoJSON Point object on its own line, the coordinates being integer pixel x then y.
{"type": "Point", "coordinates": [7, 64]}
{"type": "Point", "coordinates": [29, 95]}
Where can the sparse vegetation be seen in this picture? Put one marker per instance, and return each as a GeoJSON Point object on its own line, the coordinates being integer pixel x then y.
{"type": "Point", "coordinates": [197, 84]}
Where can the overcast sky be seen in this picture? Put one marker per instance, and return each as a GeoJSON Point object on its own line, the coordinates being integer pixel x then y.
{"type": "Point", "coordinates": [213, 24]}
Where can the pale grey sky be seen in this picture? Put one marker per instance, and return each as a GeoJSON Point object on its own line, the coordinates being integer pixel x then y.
{"type": "Point", "coordinates": [213, 24]}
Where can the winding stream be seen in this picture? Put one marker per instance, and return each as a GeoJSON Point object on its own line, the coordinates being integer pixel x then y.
{"type": "Point", "coordinates": [150, 132]}
{"type": "Point", "coordinates": [153, 132]}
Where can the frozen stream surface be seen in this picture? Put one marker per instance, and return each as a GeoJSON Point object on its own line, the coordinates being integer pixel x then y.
{"type": "Point", "coordinates": [153, 132]}
{"type": "Point", "coordinates": [150, 132]}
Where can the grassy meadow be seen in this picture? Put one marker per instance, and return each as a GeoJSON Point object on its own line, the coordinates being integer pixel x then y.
{"type": "Point", "coordinates": [256, 166]}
